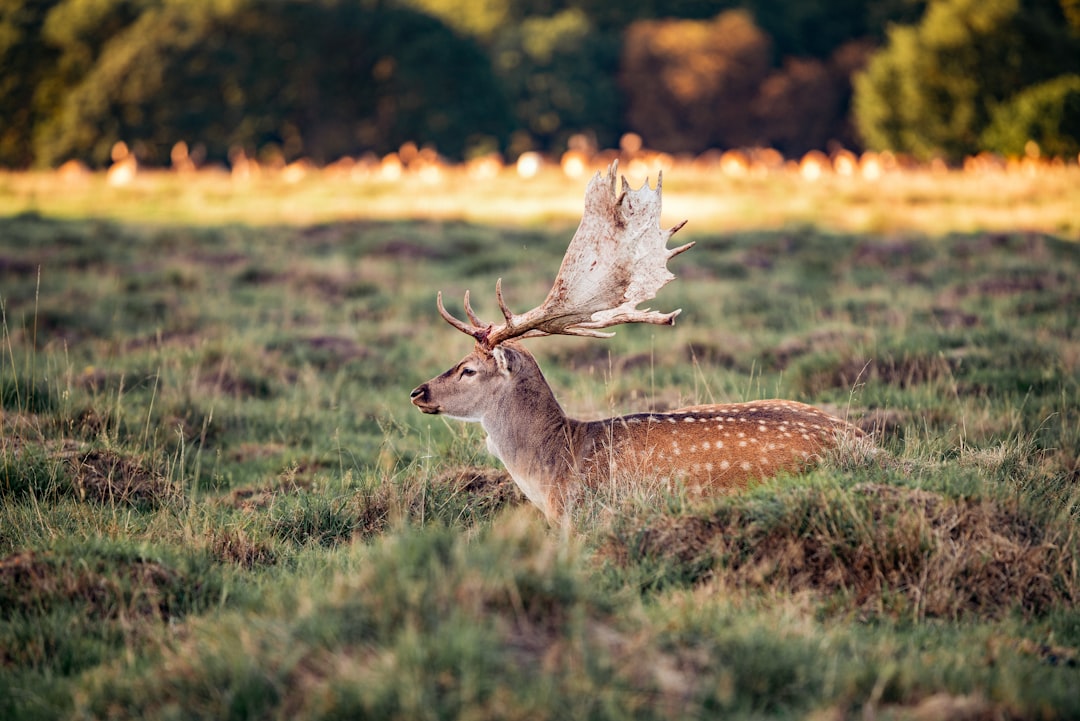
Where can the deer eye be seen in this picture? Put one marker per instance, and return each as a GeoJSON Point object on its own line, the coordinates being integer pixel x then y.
{"type": "Point", "coordinates": [466, 371]}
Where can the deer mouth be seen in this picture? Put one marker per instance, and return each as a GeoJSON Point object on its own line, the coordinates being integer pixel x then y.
{"type": "Point", "coordinates": [421, 400]}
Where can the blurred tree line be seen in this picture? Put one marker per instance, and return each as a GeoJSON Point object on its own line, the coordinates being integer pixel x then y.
{"type": "Point", "coordinates": [328, 78]}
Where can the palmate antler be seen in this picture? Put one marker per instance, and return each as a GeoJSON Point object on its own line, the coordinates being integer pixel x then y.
{"type": "Point", "coordinates": [616, 260]}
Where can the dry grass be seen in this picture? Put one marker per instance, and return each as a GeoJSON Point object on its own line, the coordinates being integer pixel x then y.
{"type": "Point", "coordinates": [882, 549]}
{"type": "Point", "coordinates": [103, 590]}
{"type": "Point", "coordinates": [1042, 199]}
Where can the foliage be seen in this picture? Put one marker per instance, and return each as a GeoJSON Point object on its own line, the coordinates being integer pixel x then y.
{"type": "Point", "coordinates": [466, 77]}
{"type": "Point", "coordinates": [818, 27]}
{"type": "Point", "coordinates": [1047, 113]}
{"type": "Point", "coordinates": [26, 58]}
{"type": "Point", "coordinates": [558, 74]}
{"type": "Point", "coordinates": [931, 91]}
{"type": "Point", "coordinates": [688, 83]}
{"type": "Point", "coordinates": [246, 82]}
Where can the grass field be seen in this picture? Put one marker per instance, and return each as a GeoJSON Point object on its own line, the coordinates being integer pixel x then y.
{"type": "Point", "coordinates": [217, 502]}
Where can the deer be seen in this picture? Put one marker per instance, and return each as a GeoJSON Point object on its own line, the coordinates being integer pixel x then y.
{"type": "Point", "coordinates": [616, 260]}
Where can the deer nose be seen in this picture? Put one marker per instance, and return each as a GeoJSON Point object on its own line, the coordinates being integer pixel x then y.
{"type": "Point", "coordinates": [420, 393]}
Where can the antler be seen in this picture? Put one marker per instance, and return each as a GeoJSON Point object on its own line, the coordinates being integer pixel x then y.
{"type": "Point", "coordinates": [616, 260]}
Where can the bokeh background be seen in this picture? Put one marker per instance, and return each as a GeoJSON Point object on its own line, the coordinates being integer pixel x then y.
{"type": "Point", "coordinates": [327, 79]}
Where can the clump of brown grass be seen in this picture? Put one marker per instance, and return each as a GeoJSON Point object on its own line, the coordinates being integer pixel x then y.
{"type": "Point", "coordinates": [490, 489]}
{"type": "Point", "coordinates": [106, 476]}
{"type": "Point", "coordinates": [253, 498]}
{"type": "Point", "coordinates": [879, 549]}
{"type": "Point", "coordinates": [105, 590]}
{"type": "Point", "coordinates": [819, 375]}
{"type": "Point", "coordinates": [237, 547]}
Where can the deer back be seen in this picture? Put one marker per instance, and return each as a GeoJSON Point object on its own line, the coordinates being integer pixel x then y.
{"type": "Point", "coordinates": [712, 447]}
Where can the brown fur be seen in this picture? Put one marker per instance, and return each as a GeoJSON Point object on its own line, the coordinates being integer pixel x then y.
{"type": "Point", "coordinates": [708, 449]}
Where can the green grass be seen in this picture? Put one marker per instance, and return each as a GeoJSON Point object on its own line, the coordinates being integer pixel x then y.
{"type": "Point", "coordinates": [217, 502]}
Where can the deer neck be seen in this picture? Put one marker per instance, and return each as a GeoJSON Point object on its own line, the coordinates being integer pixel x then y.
{"type": "Point", "coordinates": [529, 432]}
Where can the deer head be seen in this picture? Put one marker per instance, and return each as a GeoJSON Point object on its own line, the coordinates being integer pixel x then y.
{"type": "Point", "coordinates": [616, 260]}
{"type": "Point", "coordinates": [483, 381]}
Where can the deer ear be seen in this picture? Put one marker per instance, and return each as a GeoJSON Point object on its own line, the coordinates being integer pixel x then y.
{"type": "Point", "coordinates": [506, 360]}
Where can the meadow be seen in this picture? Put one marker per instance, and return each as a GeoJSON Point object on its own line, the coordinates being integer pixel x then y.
{"type": "Point", "coordinates": [217, 502]}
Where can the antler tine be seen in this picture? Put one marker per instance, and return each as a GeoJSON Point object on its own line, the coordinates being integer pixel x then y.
{"type": "Point", "coordinates": [477, 330]}
{"type": "Point", "coordinates": [477, 323]}
{"type": "Point", "coordinates": [507, 313]}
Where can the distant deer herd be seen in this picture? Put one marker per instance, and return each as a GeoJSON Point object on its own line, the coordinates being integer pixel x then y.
{"type": "Point", "coordinates": [616, 260]}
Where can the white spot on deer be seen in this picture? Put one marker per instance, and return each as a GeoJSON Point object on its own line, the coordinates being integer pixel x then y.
{"type": "Point", "coordinates": [724, 465]}
{"type": "Point", "coordinates": [719, 444]}
{"type": "Point", "coordinates": [805, 436]}
{"type": "Point", "coordinates": [742, 444]}
{"type": "Point", "coordinates": [745, 465]}
{"type": "Point", "coordinates": [705, 446]}
{"type": "Point", "coordinates": [689, 419]}
{"type": "Point", "coordinates": [762, 429]}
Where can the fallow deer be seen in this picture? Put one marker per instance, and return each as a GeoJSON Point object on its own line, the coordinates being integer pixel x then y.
{"type": "Point", "coordinates": [616, 260]}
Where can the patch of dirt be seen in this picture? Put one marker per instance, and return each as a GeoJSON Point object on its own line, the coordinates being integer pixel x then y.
{"type": "Point", "coordinates": [1012, 284]}
{"type": "Point", "coordinates": [821, 341]}
{"type": "Point", "coordinates": [37, 582]}
{"type": "Point", "coordinates": [234, 546]}
{"type": "Point", "coordinates": [847, 372]}
{"type": "Point", "coordinates": [236, 384]}
{"type": "Point", "coordinates": [944, 707]}
{"type": "Point", "coordinates": [882, 423]}
{"type": "Point", "coordinates": [256, 451]}
{"type": "Point", "coordinates": [716, 355]}
{"type": "Point", "coordinates": [256, 498]}
{"type": "Point", "coordinates": [599, 359]}
{"type": "Point", "coordinates": [345, 349]}
{"type": "Point", "coordinates": [491, 488]}
{"type": "Point", "coordinates": [403, 249]}
{"type": "Point", "coordinates": [105, 476]}
{"type": "Point", "coordinates": [324, 352]}
{"type": "Point", "coordinates": [888, 253]}
{"type": "Point", "coordinates": [953, 318]}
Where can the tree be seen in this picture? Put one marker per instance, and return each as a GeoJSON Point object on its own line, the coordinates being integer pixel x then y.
{"type": "Point", "coordinates": [26, 60]}
{"type": "Point", "coordinates": [321, 79]}
{"type": "Point", "coordinates": [1047, 113]}
{"type": "Point", "coordinates": [817, 28]}
{"type": "Point", "coordinates": [689, 84]}
{"type": "Point", "coordinates": [931, 90]}
{"type": "Point", "coordinates": [559, 76]}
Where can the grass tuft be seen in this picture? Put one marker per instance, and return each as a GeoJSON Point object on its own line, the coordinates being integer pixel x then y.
{"type": "Point", "coordinates": [873, 548]}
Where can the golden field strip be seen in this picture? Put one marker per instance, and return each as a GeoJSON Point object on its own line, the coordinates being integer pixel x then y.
{"type": "Point", "coordinates": [1043, 198]}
